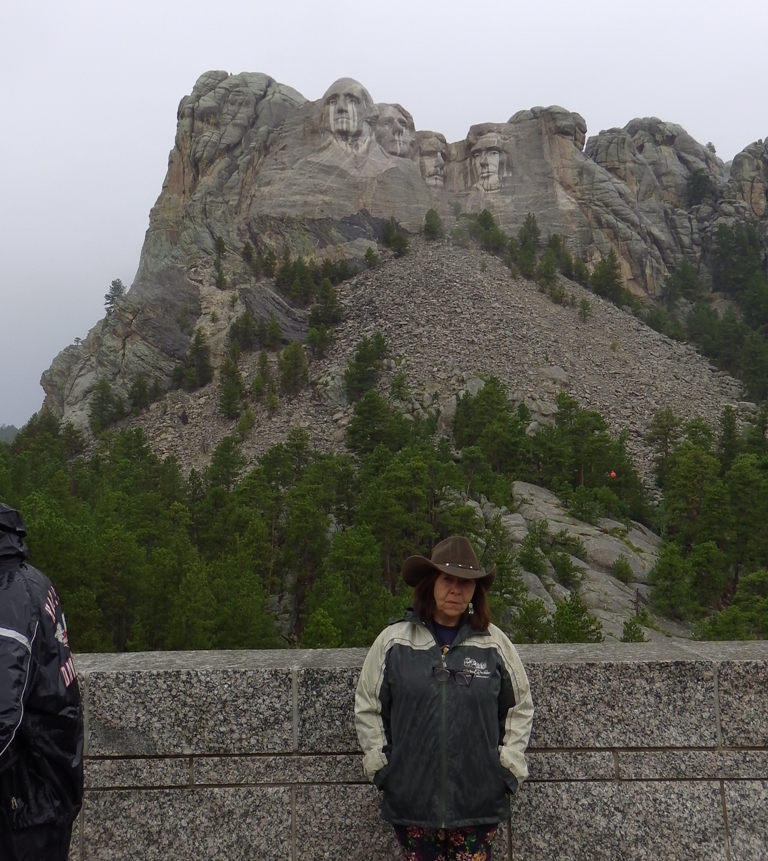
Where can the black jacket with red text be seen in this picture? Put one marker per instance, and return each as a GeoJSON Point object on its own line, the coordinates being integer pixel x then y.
{"type": "Point", "coordinates": [41, 721]}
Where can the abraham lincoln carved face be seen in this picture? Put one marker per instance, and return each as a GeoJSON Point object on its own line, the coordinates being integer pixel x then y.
{"type": "Point", "coordinates": [486, 162]}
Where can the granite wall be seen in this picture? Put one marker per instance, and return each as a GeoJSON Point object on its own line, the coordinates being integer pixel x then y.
{"type": "Point", "coordinates": [637, 752]}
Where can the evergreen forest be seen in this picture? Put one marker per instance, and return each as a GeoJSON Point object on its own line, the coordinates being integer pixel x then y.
{"type": "Point", "coordinates": [305, 548]}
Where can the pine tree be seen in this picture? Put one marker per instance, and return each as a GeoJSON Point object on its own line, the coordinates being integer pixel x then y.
{"type": "Point", "coordinates": [433, 225]}
{"type": "Point", "coordinates": [231, 389]}
{"type": "Point", "coordinates": [292, 368]}
{"type": "Point", "coordinates": [116, 292]}
{"type": "Point", "coordinates": [571, 622]}
{"type": "Point", "coordinates": [632, 632]}
{"type": "Point", "coordinates": [606, 278]}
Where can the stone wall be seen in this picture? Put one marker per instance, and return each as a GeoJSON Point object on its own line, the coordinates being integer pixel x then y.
{"type": "Point", "coordinates": [654, 751]}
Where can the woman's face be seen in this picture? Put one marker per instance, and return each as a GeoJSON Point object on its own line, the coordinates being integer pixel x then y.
{"type": "Point", "coordinates": [452, 597]}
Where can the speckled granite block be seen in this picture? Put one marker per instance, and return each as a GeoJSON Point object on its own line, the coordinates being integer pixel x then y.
{"type": "Point", "coordinates": [343, 822]}
{"type": "Point", "coordinates": [588, 705]}
{"type": "Point", "coordinates": [279, 769]}
{"type": "Point", "coordinates": [176, 825]}
{"type": "Point", "coordinates": [190, 711]}
{"type": "Point", "coordinates": [116, 773]}
{"type": "Point", "coordinates": [75, 844]}
{"type": "Point", "coordinates": [334, 822]}
{"type": "Point", "coordinates": [571, 765]}
{"type": "Point", "coordinates": [747, 804]}
{"type": "Point", "coordinates": [743, 689]}
{"type": "Point", "coordinates": [692, 764]}
{"type": "Point", "coordinates": [326, 709]}
{"type": "Point", "coordinates": [673, 821]}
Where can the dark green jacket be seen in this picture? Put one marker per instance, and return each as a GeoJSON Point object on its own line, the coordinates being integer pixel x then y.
{"type": "Point", "coordinates": [444, 755]}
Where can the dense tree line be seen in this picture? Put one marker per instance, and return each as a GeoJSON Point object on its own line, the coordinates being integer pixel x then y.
{"type": "Point", "coordinates": [713, 564]}
{"type": "Point", "coordinates": [147, 558]}
{"type": "Point", "coordinates": [8, 432]}
{"type": "Point", "coordinates": [737, 339]}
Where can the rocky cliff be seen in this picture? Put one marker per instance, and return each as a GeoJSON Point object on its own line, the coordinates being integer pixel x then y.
{"type": "Point", "coordinates": [253, 161]}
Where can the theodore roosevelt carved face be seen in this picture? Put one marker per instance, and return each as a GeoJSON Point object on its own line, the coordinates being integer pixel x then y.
{"type": "Point", "coordinates": [346, 104]}
{"type": "Point", "coordinates": [433, 151]}
{"type": "Point", "coordinates": [486, 162]}
{"type": "Point", "coordinates": [395, 130]}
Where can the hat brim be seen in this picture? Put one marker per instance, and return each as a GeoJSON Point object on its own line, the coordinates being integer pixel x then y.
{"type": "Point", "coordinates": [416, 568]}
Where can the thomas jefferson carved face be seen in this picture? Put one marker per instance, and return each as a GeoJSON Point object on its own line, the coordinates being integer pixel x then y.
{"type": "Point", "coordinates": [486, 161]}
{"type": "Point", "coordinates": [395, 130]}
{"type": "Point", "coordinates": [346, 103]}
{"type": "Point", "coordinates": [433, 151]}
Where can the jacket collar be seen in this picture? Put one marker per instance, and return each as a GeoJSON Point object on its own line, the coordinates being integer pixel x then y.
{"type": "Point", "coordinates": [465, 631]}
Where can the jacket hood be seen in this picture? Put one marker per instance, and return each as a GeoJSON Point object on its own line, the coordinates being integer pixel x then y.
{"type": "Point", "coordinates": [13, 530]}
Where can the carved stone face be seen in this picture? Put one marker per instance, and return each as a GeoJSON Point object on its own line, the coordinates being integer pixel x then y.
{"type": "Point", "coordinates": [395, 130]}
{"type": "Point", "coordinates": [486, 161]}
{"type": "Point", "coordinates": [433, 151]}
{"type": "Point", "coordinates": [346, 103]}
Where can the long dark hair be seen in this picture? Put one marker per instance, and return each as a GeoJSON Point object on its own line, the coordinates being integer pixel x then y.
{"type": "Point", "coordinates": [424, 603]}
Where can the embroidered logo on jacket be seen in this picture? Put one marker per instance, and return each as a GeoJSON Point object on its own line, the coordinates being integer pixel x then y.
{"type": "Point", "coordinates": [479, 668]}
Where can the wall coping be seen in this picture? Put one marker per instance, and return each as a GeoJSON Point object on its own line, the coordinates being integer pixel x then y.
{"type": "Point", "coordinates": [561, 653]}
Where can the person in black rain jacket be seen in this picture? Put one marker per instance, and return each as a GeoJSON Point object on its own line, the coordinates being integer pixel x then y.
{"type": "Point", "coordinates": [443, 711]}
{"type": "Point", "coordinates": [41, 721]}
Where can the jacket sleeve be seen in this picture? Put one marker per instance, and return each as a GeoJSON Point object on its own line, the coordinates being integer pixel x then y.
{"type": "Point", "coordinates": [372, 709]}
{"type": "Point", "coordinates": [516, 711]}
{"type": "Point", "coordinates": [17, 638]}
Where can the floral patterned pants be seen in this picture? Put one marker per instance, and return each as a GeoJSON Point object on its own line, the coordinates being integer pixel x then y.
{"type": "Point", "coordinates": [472, 843]}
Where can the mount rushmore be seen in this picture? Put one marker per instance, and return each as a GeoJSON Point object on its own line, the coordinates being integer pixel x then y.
{"type": "Point", "coordinates": [255, 162]}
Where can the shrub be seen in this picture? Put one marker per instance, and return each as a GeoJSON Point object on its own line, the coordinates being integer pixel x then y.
{"type": "Point", "coordinates": [622, 570]}
{"type": "Point", "coordinates": [567, 573]}
{"type": "Point", "coordinates": [433, 225]}
{"type": "Point", "coordinates": [572, 544]}
{"type": "Point", "coordinates": [395, 239]}
{"type": "Point", "coordinates": [398, 388]}
{"type": "Point", "coordinates": [371, 258]}
{"type": "Point", "coordinates": [632, 632]}
{"type": "Point", "coordinates": [699, 187]}
{"type": "Point", "coordinates": [530, 556]}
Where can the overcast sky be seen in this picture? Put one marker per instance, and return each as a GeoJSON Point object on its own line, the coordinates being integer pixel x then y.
{"type": "Point", "coordinates": [91, 91]}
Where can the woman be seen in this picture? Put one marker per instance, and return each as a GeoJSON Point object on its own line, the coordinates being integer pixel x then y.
{"type": "Point", "coordinates": [443, 711]}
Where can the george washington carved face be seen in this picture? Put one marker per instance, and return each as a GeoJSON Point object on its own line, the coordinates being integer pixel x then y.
{"type": "Point", "coordinates": [346, 104]}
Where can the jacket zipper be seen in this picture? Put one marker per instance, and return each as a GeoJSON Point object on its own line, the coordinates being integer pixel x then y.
{"type": "Point", "coordinates": [14, 808]}
{"type": "Point", "coordinates": [443, 751]}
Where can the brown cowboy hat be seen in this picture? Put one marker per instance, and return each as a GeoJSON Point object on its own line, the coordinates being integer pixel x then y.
{"type": "Point", "coordinates": [453, 556]}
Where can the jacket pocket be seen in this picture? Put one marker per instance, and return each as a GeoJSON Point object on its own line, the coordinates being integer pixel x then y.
{"type": "Point", "coordinates": [380, 777]}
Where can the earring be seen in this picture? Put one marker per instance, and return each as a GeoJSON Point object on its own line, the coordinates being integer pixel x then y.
{"type": "Point", "coordinates": [471, 608]}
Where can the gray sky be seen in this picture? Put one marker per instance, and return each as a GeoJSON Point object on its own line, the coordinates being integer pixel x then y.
{"type": "Point", "coordinates": [91, 90]}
